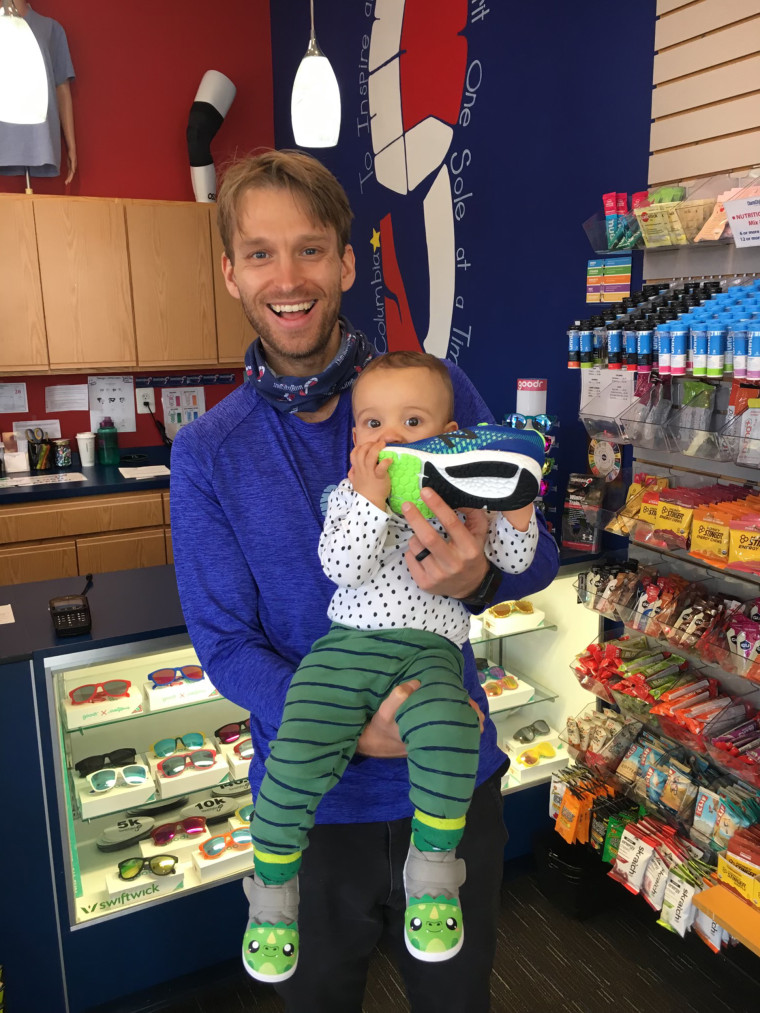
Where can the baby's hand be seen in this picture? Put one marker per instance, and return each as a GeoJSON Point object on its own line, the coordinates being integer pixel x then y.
{"type": "Point", "coordinates": [368, 476]}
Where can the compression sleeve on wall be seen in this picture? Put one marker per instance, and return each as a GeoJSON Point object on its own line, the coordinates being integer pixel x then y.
{"type": "Point", "coordinates": [211, 104]}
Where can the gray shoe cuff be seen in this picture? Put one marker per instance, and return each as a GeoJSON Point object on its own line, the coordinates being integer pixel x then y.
{"type": "Point", "coordinates": [433, 873]}
{"type": "Point", "coordinates": [271, 904]}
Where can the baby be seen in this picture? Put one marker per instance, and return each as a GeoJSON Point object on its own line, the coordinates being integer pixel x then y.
{"type": "Point", "coordinates": [385, 631]}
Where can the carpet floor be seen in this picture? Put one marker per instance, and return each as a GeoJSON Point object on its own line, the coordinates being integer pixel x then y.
{"type": "Point", "coordinates": [615, 961]}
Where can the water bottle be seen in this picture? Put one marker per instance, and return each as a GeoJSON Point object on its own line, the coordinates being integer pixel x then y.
{"type": "Point", "coordinates": [107, 442]}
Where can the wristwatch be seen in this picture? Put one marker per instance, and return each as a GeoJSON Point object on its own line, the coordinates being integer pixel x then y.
{"type": "Point", "coordinates": [484, 593]}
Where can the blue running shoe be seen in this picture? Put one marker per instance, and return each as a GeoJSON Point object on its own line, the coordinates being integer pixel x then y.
{"type": "Point", "coordinates": [490, 466]}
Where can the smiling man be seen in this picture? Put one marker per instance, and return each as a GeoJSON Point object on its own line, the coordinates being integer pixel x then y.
{"type": "Point", "coordinates": [250, 480]}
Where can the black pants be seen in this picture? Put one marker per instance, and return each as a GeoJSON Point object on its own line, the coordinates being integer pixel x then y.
{"type": "Point", "coordinates": [352, 891]}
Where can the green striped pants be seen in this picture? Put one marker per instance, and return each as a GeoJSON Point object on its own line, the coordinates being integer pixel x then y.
{"type": "Point", "coordinates": [334, 692]}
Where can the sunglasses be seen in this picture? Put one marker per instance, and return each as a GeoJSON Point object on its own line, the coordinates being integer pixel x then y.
{"type": "Point", "coordinates": [246, 813]}
{"type": "Point", "coordinates": [172, 676]}
{"type": "Point", "coordinates": [173, 766]}
{"type": "Point", "coordinates": [517, 421]}
{"type": "Point", "coordinates": [130, 775]}
{"type": "Point", "coordinates": [190, 740]}
{"type": "Point", "coordinates": [216, 846]}
{"type": "Point", "coordinates": [548, 466]}
{"type": "Point", "coordinates": [549, 442]}
{"type": "Point", "coordinates": [530, 757]}
{"type": "Point", "coordinates": [159, 865]}
{"type": "Point", "coordinates": [188, 827]}
{"type": "Point", "coordinates": [244, 749]}
{"type": "Point", "coordinates": [529, 732]}
{"type": "Point", "coordinates": [231, 732]}
{"type": "Point", "coordinates": [93, 691]}
{"type": "Point", "coordinates": [495, 687]}
{"type": "Point", "coordinates": [118, 758]}
{"type": "Point", "coordinates": [511, 608]}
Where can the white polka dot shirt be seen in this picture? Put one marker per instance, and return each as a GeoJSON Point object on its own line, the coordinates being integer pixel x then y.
{"type": "Point", "coordinates": [362, 551]}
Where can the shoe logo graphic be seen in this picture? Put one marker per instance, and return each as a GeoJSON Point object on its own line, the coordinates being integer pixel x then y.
{"type": "Point", "coordinates": [418, 69]}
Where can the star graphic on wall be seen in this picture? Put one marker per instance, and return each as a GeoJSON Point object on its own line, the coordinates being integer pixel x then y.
{"type": "Point", "coordinates": [375, 240]}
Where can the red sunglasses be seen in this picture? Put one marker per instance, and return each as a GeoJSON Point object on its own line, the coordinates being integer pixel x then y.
{"type": "Point", "coordinates": [93, 691]}
{"type": "Point", "coordinates": [173, 766]}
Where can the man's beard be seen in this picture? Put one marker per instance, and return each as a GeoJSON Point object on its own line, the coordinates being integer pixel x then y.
{"type": "Point", "coordinates": [270, 343]}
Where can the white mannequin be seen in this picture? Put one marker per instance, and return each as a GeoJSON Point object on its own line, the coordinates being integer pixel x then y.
{"type": "Point", "coordinates": [65, 110]}
{"type": "Point", "coordinates": [218, 91]}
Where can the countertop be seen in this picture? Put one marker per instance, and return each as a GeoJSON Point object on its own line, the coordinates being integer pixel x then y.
{"type": "Point", "coordinates": [99, 481]}
{"type": "Point", "coordinates": [123, 604]}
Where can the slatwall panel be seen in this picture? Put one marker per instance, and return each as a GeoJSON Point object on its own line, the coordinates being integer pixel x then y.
{"type": "Point", "coordinates": [706, 101]}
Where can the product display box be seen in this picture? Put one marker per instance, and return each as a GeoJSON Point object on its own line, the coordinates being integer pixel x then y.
{"type": "Point", "coordinates": [99, 712]}
{"type": "Point", "coordinates": [190, 779]}
{"type": "Point", "coordinates": [145, 886]}
{"type": "Point", "coordinates": [238, 765]}
{"type": "Point", "coordinates": [121, 797]}
{"type": "Point", "coordinates": [230, 862]}
{"type": "Point", "coordinates": [510, 698]}
{"type": "Point", "coordinates": [159, 698]}
{"type": "Point", "coordinates": [739, 876]}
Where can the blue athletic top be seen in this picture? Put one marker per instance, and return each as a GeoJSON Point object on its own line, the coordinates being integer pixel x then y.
{"type": "Point", "coordinates": [249, 488]}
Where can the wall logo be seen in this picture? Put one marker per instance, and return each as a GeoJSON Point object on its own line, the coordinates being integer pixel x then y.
{"type": "Point", "coordinates": [416, 59]}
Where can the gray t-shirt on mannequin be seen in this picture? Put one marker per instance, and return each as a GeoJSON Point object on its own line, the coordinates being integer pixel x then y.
{"type": "Point", "coordinates": [37, 146]}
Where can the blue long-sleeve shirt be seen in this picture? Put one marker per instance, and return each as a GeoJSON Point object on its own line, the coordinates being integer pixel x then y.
{"type": "Point", "coordinates": [249, 487]}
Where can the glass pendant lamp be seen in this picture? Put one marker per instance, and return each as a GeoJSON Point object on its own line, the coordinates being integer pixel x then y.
{"type": "Point", "coordinates": [23, 81]}
{"type": "Point", "coordinates": [315, 101]}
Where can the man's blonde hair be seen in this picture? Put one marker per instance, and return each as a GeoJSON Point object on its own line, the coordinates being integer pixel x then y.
{"type": "Point", "coordinates": [313, 187]}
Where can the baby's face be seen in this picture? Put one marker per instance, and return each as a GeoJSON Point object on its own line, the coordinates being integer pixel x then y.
{"type": "Point", "coordinates": [400, 406]}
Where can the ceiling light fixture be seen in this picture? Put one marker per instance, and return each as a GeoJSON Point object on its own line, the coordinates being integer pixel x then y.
{"type": "Point", "coordinates": [315, 101]}
{"type": "Point", "coordinates": [23, 79]}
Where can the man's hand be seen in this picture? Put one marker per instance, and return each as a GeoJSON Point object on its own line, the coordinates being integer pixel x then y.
{"type": "Point", "coordinates": [454, 566]}
{"type": "Point", "coordinates": [368, 476]}
{"type": "Point", "coordinates": [381, 736]}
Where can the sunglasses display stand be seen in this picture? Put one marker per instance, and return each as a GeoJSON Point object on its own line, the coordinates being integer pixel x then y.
{"type": "Point", "coordinates": [95, 713]}
{"type": "Point", "coordinates": [159, 698]}
{"type": "Point", "coordinates": [238, 765]}
{"type": "Point", "coordinates": [146, 885]}
{"type": "Point", "coordinates": [510, 698]}
{"type": "Point", "coordinates": [190, 779]}
{"type": "Point", "coordinates": [521, 773]}
{"type": "Point", "coordinates": [498, 624]}
{"type": "Point", "coordinates": [230, 862]}
{"type": "Point", "coordinates": [123, 796]}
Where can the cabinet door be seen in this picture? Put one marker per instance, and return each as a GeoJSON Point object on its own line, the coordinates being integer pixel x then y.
{"type": "Point", "coordinates": [128, 550]}
{"type": "Point", "coordinates": [22, 323]}
{"type": "Point", "coordinates": [78, 516]}
{"type": "Point", "coordinates": [24, 563]}
{"type": "Point", "coordinates": [82, 245]}
{"type": "Point", "coordinates": [233, 332]}
{"type": "Point", "coordinates": [169, 548]}
{"type": "Point", "coordinates": [170, 260]}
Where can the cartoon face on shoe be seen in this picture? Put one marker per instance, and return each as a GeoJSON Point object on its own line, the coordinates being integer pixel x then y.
{"type": "Point", "coordinates": [433, 926]}
{"type": "Point", "coordinates": [270, 952]}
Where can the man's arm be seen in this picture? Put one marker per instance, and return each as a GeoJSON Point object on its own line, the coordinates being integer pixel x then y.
{"type": "Point", "coordinates": [218, 593]}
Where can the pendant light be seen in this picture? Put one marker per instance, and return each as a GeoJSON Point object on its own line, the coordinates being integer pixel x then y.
{"type": "Point", "coordinates": [23, 79]}
{"type": "Point", "coordinates": [315, 102]}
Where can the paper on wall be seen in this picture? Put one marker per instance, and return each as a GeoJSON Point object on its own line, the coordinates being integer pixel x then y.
{"type": "Point", "coordinates": [112, 396]}
{"type": "Point", "coordinates": [13, 398]}
{"type": "Point", "coordinates": [181, 405]}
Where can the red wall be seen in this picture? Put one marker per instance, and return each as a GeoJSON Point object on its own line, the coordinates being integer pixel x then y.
{"type": "Point", "coordinates": [138, 66]}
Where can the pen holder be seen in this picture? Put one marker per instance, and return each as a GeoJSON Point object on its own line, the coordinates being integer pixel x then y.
{"type": "Point", "coordinates": [39, 456]}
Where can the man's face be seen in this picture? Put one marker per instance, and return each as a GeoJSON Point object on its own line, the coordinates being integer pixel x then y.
{"type": "Point", "coordinates": [289, 277]}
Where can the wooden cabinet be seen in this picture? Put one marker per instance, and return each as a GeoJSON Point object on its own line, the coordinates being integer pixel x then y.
{"type": "Point", "coordinates": [90, 534]}
{"type": "Point", "coordinates": [170, 261]}
{"type": "Point", "coordinates": [233, 332]}
{"type": "Point", "coordinates": [22, 322]}
{"type": "Point", "coordinates": [84, 271]}
{"type": "Point", "coordinates": [21, 564]}
{"type": "Point", "coordinates": [127, 550]}
{"type": "Point", "coordinates": [85, 515]}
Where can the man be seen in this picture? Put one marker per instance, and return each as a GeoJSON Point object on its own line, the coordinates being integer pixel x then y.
{"type": "Point", "coordinates": [250, 481]}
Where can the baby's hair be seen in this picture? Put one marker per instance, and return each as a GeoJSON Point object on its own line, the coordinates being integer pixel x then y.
{"type": "Point", "coordinates": [407, 359]}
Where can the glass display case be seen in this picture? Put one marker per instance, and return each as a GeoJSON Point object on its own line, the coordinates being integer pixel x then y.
{"type": "Point", "coordinates": [150, 763]}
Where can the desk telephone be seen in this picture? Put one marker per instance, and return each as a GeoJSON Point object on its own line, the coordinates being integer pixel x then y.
{"type": "Point", "coordinates": [71, 612]}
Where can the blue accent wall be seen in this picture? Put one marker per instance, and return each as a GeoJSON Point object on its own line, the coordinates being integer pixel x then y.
{"type": "Point", "coordinates": [559, 97]}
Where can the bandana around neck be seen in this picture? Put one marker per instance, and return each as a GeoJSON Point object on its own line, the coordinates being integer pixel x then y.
{"type": "Point", "coordinates": [289, 394]}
